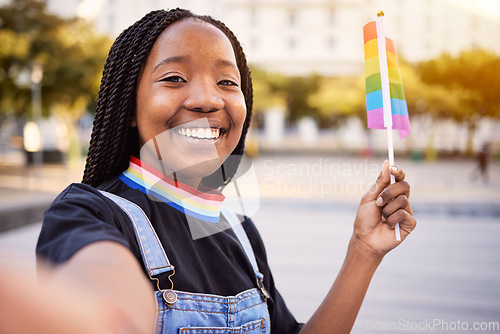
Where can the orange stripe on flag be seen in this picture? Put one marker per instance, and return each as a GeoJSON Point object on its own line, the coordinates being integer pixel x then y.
{"type": "Point", "coordinates": [370, 31]}
{"type": "Point", "coordinates": [389, 45]}
{"type": "Point", "coordinates": [371, 44]}
{"type": "Point", "coordinates": [392, 60]}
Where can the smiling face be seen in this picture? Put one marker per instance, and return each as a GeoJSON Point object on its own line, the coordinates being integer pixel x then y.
{"type": "Point", "coordinates": [190, 106]}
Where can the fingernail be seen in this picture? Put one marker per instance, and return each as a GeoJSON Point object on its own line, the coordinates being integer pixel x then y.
{"type": "Point", "coordinates": [379, 201]}
{"type": "Point", "coordinates": [394, 169]}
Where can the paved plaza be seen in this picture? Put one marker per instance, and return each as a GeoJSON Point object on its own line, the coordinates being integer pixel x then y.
{"type": "Point", "coordinates": [444, 279]}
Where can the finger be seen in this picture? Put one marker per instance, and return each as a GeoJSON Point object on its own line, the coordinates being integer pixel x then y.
{"type": "Point", "coordinates": [398, 173]}
{"type": "Point", "coordinates": [393, 191]}
{"type": "Point", "coordinates": [380, 184]}
{"type": "Point", "coordinates": [409, 209]}
{"type": "Point", "coordinates": [400, 202]}
{"type": "Point", "coordinates": [409, 224]}
{"type": "Point", "coordinates": [406, 221]}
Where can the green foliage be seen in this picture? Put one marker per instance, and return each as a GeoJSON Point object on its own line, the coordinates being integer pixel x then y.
{"type": "Point", "coordinates": [289, 93]}
{"type": "Point", "coordinates": [14, 44]}
{"type": "Point", "coordinates": [299, 89]}
{"type": "Point", "coordinates": [71, 54]}
{"type": "Point", "coordinates": [268, 90]}
{"type": "Point", "coordinates": [472, 78]}
{"type": "Point", "coordinates": [339, 98]}
{"type": "Point", "coordinates": [422, 97]}
{"type": "Point", "coordinates": [463, 88]}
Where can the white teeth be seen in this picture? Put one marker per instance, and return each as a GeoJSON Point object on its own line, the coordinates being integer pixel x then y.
{"type": "Point", "coordinates": [200, 133]}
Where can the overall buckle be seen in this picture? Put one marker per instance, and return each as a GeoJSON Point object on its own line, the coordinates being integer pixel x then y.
{"type": "Point", "coordinates": [263, 291]}
{"type": "Point", "coordinates": [169, 295]}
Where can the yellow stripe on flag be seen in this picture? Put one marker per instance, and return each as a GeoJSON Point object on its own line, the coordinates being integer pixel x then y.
{"type": "Point", "coordinates": [394, 75]}
{"type": "Point", "coordinates": [372, 66]}
{"type": "Point", "coordinates": [371, 49]}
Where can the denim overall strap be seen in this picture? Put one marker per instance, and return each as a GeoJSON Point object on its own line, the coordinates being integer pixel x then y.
{"type": "Point", "coordinates": [198, 313]}
{"type": "Point", "coordinates": [238, 229]}
{"type": "Point", "coordinates": [153, 255]}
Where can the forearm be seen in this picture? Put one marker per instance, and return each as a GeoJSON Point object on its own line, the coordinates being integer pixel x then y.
{"type": "Point", "coordinates": [381, 208]}
{"type": "Point", "coordinates": [339, 309]}
{"type": "Point", "coordinates": [108, 275]}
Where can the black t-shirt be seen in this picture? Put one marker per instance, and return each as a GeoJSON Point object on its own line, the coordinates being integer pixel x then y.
{"type": "Point", "coordinates": [215, 264]}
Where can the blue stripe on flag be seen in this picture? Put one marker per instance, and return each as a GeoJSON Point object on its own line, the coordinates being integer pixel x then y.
{"type": "Point", "coordinates": [374, 101]}
{"type": "Point", "coordinates": [399, 107]}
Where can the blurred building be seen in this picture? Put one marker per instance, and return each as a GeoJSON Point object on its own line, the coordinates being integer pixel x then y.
{"type": "Point", "coordinates": [298, 37]}
{"type": "Point", "coordinates": [323, 36]}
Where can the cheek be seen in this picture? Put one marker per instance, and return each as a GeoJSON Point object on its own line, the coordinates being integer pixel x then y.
{"type": "Point", "coordinates": [150, 119]}
{"type": "Point", "coordinates": [240, 114]}
{"type": "Point", "coordinates": [154, 109]}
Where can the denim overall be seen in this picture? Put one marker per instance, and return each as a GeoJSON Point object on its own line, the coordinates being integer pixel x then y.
{"type": "Point", "coordinates": [197, 313]}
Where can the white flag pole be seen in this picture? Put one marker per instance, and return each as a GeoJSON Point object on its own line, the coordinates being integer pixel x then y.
{"type": "Point", "coordinates": [386, 96]}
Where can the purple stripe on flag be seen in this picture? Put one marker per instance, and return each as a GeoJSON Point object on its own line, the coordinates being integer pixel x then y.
{"type": "Point", "coordinates": [375, 118]}
{"type": "Point", "coordinates": [402, 123]}
{"type": "Point", "coordinates": [399, 122]}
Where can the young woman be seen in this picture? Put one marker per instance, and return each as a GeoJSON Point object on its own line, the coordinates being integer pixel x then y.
{"type": "Point", "coordinates": [173, 111]}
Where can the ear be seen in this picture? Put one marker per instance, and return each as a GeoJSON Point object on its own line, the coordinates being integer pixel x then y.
{"type": "Point", "coordinates": [133, 122]}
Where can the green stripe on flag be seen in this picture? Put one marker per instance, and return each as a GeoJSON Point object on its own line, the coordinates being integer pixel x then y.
{"type": "Point", "coordinates": [373, 83]}
{"type": "Point", "coordinates": [397, 91]}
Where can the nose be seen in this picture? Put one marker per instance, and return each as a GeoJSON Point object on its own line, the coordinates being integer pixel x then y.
{"type": "Point", "coordinates": [203, 97]}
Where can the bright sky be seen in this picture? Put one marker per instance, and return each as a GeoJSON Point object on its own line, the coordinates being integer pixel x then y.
{"type": "Point", "coordinates": [89, 8]}
{"type": "Point", "coordinates": [486, 8]}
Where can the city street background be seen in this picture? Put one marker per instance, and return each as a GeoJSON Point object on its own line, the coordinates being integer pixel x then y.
{"type": "Point", "coordinates": [447, 271]}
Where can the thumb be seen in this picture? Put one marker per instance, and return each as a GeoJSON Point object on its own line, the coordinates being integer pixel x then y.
{"type": "Point", "coordinates": [384, 179]}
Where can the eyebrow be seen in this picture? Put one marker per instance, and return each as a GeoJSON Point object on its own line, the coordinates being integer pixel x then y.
{"type": "Point", "coordinates": [181, 59]}
{"type": "Point", "coordinates": [224, 62]}
{"type": "Point", "coordinates": [175, 59]}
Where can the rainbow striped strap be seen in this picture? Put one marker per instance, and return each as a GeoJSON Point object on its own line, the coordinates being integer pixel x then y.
{"type": "Point", "coordinates": [204, 205]}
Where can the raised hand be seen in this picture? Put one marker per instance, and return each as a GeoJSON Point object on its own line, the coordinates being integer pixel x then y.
{"type": "Point", "coordinates": [381, 208]}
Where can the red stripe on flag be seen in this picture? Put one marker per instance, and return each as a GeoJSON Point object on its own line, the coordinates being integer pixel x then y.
{"type": "Point", "coordinates": [370, 31]}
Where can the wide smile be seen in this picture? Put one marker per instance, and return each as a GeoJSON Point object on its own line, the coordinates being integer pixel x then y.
{"type": "Point", "coordinates": [199, 133]}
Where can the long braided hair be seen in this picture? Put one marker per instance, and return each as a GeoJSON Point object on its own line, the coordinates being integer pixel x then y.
{"type": "Point", "coordinates": [113, 140]}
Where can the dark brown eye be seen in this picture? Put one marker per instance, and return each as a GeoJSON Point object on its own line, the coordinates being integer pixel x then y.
{"type": "Point", "coordinates": [173, 78]}
{"type": "Point", "coordinates": [227, 83]}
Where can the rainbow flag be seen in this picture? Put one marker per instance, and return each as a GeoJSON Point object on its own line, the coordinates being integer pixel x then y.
{"type": "Point", "coordinates": [374, 105]}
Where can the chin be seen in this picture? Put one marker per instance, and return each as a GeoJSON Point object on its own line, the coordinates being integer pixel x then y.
{"type": "Point", "coordinates": [203, 169]}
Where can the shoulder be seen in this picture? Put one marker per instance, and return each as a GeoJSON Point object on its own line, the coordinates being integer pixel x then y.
{"type": "Point", "coordinates": [81, 199]}
{"type": "Point", "coordinates": [79, 216]}
{"type": "Point", "coordinates": [79, 191]}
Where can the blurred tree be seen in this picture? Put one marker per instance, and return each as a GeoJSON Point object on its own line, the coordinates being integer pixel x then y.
{"type": "Point", "coordinates": [425, 98]}
{"type": "Point", "coordinates": [298, 90]}
{"type": "Point", "coordinates": [289, 93]}
{"type": "Point", "coordinates": [268, 91]}
{"type": "Point", "coordinates": [467, 83]}
{"type": "Point", "coordinates": [71, 54]}
{"type": "Point", "coordinates": [339, 98]}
